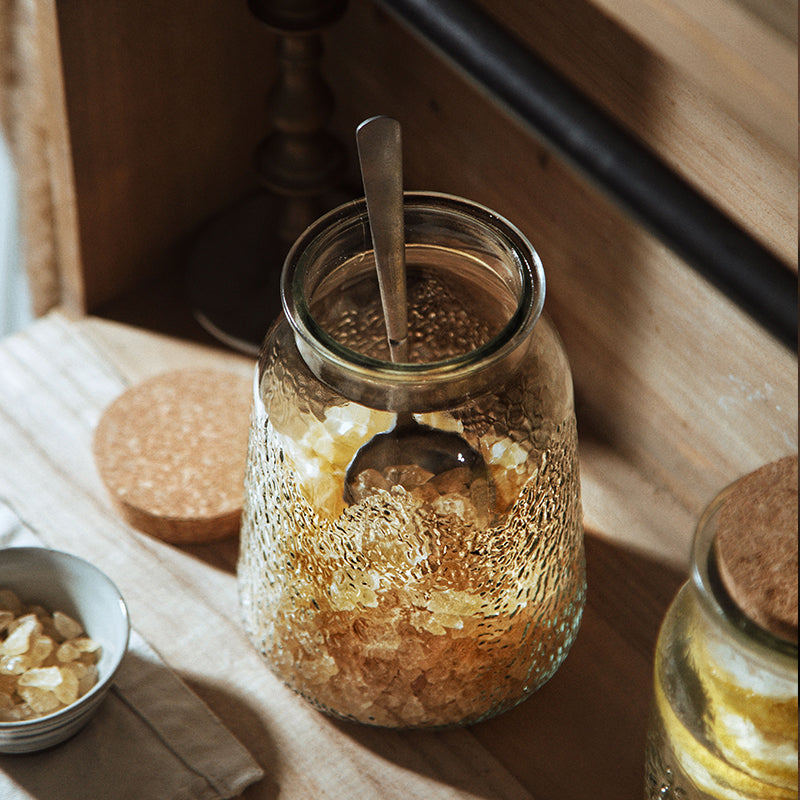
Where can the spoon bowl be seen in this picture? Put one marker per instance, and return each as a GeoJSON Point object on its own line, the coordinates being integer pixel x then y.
{"type": "Point", "coordinates": [410, 446]}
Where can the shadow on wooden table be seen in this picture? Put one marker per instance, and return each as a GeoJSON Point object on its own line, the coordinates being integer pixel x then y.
{"type": "Point", "coordinates": [222, 555]}
{"type": "Point", "coordinates": [582, 735]}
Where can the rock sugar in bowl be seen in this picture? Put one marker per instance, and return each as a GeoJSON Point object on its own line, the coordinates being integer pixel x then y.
{"type": "Point", "coordinates": [64, 631]}
{"type": "Point", "coordinates": [428, 597]}
{"type": "Point", "coordinates": [46, 660]}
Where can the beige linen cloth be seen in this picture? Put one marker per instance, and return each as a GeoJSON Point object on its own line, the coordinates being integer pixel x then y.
{"type": "Point", "coordinates": [151, 738]}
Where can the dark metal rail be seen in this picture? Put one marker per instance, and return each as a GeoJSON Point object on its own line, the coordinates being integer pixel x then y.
{"type": "Point", "coordinates": [568, 122]}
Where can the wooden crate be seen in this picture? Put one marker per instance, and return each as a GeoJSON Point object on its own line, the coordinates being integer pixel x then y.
{"type": "Point", "coordinates": [134, 122]}
{"type": "Point", "coordinates": [153, 112]}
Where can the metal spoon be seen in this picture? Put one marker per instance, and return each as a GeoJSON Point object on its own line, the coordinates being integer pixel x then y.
{"type": "Point", "coordinates": [409, 443]}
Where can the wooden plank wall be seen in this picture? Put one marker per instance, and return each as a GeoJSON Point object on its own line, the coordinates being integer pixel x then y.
{"type": "Point", "coordinates": [667, 371]}
{"type": "Point", "coordinates": [166, 103]}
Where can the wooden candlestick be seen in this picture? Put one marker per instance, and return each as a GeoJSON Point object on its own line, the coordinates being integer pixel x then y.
{"type": "Point", "coordinates": [236, 262]}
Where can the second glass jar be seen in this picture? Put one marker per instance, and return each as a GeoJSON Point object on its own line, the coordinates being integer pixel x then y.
{"type": "Point", "coordinates": [724, 718]}
{"type": "Point", "coordinates": [422, 599]}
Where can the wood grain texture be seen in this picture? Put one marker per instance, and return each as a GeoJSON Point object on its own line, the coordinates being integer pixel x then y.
{"type": "Point", "coordinates": [646, 91]}
{"type": "Point", "coordinates": [647, 67]}
{"type": "Point", "coordinates": [166, 103]}
{"type": "Point", "coordinates": [34, 122]}
{"type": "Point", "coordinates": [736, 54]}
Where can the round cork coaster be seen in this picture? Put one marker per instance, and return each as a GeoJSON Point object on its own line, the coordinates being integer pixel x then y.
{"type": "Point", "coordinates": [172, 452]}
{"type": "Point", "coordinates": [756, 547]}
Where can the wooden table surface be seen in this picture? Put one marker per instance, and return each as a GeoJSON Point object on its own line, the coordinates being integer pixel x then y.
{"type": "Point", "coordinates": [581, 736]}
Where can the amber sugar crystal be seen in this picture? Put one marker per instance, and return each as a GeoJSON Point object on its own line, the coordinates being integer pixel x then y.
{"type": "Point", "coordinates": [46, 660]}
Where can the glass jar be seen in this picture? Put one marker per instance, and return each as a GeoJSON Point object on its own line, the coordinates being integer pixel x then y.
{"type": "Point", "coordinates": [426, 598]}
{"type": "Point", "coordinates": [724, 718]}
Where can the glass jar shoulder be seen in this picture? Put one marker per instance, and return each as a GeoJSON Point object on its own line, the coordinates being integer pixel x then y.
{"type": "Point", "coordinates": [523, 417]}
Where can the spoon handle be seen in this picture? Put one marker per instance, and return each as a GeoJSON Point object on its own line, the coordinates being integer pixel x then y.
{"type": "Point", "coordinates": [381, 159]}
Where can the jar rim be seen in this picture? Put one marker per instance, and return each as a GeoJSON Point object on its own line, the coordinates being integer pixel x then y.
{"type": "Point", "coordinates": [717, 602]}
{"type": "Point", "coordinates": [530, 299]}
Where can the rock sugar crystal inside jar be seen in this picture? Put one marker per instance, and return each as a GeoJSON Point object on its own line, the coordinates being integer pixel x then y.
{"type": "Point", "coordinates": [420, 591]}
{"type": "Point", "coordinates": [724, 721]}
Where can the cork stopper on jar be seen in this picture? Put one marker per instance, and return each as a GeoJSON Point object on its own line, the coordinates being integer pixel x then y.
{"type": "Point", "coordinates": [171, 451]}
{"type": "Point", "coordinates": [756, 547]}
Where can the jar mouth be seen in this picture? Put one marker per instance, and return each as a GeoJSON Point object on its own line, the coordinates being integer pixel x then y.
{"type": "Point", "coordinates": [519, 269]}
{"type": "Point", "coordinates": [715, 598]}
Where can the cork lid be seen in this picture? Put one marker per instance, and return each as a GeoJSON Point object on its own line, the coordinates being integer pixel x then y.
{"type": "Point", "coordinates": [756, 547]}
{"type": "Point", "coordinates": [172, 452]}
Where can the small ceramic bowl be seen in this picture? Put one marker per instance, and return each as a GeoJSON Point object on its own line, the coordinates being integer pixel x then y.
{"type": "Point", "coordinates": [63, 582]}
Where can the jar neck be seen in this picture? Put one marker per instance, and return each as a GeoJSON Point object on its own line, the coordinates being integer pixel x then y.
{"type": "Point", "coordinates": [720, 609]}
{"type": "Point", "coordinates": [455, 239]}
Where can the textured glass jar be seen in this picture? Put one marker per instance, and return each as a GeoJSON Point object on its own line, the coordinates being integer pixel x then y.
{"type": "Point", "coordinates": [424, 602]}
{"type": "Point", "coordinates": [724, 719]}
